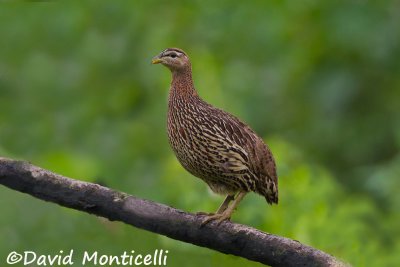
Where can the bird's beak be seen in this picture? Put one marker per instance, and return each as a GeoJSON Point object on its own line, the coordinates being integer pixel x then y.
{"type": "Point", "coordinates": [156, 60]}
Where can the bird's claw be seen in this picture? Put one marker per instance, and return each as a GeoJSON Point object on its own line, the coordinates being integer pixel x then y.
{"type": "Point", "coordinates": [217, 217]}
{"type": "Point", "coordinates": [202, 213]}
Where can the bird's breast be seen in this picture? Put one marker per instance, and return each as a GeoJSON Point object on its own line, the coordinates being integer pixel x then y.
{"type": "Point", "coordinates": [203, 148]}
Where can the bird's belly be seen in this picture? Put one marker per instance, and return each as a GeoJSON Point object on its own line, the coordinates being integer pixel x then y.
{"type": "Point", "coordinates": [213, 175]}
{"type": "Point", "coordinates": [193, 158]}
{"type": "Point", "coordinates": [208, 158]}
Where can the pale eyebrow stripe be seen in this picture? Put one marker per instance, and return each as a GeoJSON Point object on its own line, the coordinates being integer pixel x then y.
{"type": "Point", "coordinates": [165, 53]}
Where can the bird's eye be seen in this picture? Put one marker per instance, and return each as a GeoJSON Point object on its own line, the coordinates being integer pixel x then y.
{"type": "Point", "coordinates": [173, 55]}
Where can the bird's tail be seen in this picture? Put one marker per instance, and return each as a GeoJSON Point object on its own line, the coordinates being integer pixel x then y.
{"type": "Point", "coordinates": [271, 192]}
{"type": "Point", "coordinates": [272, 198]}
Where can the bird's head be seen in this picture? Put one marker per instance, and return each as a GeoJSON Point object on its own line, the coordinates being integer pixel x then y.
{"type": "Point", "coordinates": [173, 58]}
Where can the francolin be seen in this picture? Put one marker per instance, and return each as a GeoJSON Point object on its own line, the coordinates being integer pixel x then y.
{"type": "Point", "coordinates": [214, 145]}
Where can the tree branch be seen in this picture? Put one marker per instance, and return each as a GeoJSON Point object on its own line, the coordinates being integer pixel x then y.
{"type": "Point", "coordinates": [229, 238]}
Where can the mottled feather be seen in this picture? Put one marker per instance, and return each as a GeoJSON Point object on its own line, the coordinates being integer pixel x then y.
{"type": "Point", "coordinates": [212, 144]}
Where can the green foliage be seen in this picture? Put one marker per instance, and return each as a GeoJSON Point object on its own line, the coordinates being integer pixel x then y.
{"type": "Point", "coordinates": [320, 80]}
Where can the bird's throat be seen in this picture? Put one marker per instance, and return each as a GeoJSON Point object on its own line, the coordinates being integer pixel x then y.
{"type": "Point", "coordinates": [182, 84]}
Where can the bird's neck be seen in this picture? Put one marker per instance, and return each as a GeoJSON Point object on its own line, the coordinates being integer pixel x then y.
{"type": "Point", "coordinates": [182, 84]}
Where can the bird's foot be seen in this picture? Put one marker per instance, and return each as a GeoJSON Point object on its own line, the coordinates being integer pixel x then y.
{"type": "Point", "coordinates": [217, 217]}
{"type": "Point", "coordinates": [202, 213]}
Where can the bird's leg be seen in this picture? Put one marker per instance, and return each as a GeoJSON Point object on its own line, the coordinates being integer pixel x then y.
{"type": "Point", "coordinates": [226, 214]}
{"type": "Point", "coordinates": [225, 204]}
{"type": "Point", "coordinates": [221, 208]}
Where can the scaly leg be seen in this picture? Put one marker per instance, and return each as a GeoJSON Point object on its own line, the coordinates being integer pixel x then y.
{"type": "Point", "coordinates": [225, 204]}
{"type": "Point", "coordinates": [226, 214]}
{"type": "Point", "coordinates": [221, 208]}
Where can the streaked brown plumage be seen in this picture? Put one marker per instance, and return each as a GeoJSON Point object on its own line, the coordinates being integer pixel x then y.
{"type": "Point", "coordinates": [214, 145]}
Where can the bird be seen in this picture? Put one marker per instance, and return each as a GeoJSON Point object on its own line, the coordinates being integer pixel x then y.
{"type": "Point", "coordinates": [215, 145]}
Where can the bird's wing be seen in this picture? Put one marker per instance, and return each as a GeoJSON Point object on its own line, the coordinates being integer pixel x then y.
{"type": "Point", "coordinates": [259, 157]}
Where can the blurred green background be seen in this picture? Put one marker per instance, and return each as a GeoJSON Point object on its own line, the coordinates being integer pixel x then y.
{"type": "Point", "coordinates": [319, 80]}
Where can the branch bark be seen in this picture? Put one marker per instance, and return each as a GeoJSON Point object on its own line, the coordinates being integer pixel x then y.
{"type": "Point", "coordinates": [229, 238]}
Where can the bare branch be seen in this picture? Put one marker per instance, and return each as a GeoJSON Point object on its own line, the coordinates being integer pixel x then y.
{"type": "Point", "coordinates": [229, 238]}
